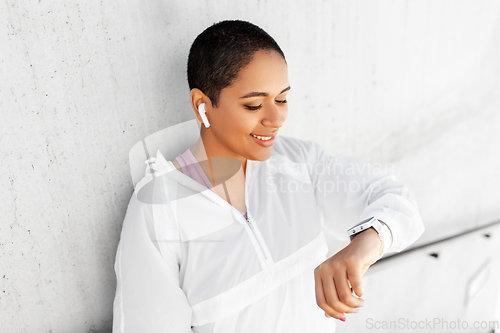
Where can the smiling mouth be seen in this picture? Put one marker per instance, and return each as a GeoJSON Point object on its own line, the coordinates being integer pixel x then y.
{"type": "Point", "coordinates": [262, 138]}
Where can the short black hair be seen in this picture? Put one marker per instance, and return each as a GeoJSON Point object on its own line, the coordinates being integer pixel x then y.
{"type": "Point", "coordinates": [221, 51]}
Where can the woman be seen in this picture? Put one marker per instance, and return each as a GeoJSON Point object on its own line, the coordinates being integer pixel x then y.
{"type": "Point", "coordinates": [244, 237]}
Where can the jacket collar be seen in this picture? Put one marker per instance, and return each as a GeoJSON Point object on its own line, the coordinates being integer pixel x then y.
{"type": "Point", "coordinates": [162, 166]}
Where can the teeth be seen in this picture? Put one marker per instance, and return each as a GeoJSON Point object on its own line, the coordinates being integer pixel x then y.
{"type": "Point", "coordinates": [263, 138]}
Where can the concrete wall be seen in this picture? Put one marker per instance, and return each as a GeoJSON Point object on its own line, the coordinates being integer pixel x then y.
{"type": "Point", "coordinates": [412, 85]}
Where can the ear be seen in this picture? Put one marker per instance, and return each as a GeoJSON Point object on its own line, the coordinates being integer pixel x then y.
{"type": "Point", "coordinates": [198, 97]}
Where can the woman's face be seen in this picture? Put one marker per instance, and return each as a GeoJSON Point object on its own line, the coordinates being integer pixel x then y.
{"type": "Point", "coordinates": [254, 104]}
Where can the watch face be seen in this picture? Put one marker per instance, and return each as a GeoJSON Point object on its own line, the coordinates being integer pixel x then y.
{"type": "Point", "coordinates": [362, 226]}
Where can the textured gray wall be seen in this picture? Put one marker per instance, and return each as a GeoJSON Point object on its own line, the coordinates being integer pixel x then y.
{"type": "Point", "coordinates": [413, 85]}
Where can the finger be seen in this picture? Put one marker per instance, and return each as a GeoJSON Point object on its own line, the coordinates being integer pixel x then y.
{"type": "Point", "coordinates": [356, 282]}
{"type": "Point", "coordinates": [321, 300]}
{"type": "Point", "coordinates": [352, 290]}
{"type": "Point", "coordinates": [344, 293]}
{"type": "Point", "coordinates": [331, 296]}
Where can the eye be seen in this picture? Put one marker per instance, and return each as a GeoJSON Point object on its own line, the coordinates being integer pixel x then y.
{"type": "Point", "coordinates": [282, 102]}
{"type": "Point", "coordinates": [253, 108]}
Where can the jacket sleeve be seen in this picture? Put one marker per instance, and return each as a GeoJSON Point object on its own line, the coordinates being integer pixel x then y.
{"type": "Point", "coordinates": [148, 298]}
{"type": "Point", "coordinates": [348, 191]}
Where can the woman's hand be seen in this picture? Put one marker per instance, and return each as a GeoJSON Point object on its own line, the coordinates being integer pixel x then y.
{"type": "Point", "coordinates": [336, 275]}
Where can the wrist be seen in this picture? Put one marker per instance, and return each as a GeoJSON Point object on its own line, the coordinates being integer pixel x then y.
{"type": "Point", "coordinates": [372, 223]}
{"type": "Point", "coordinates": [370, 235]}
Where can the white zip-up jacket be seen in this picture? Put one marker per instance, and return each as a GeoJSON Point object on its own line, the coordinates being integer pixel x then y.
{"type": "Point", "coordinates": [188, 261]}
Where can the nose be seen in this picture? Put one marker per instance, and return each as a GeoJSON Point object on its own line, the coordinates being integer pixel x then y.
{"type": "Point", "coordinates": [275, 116]}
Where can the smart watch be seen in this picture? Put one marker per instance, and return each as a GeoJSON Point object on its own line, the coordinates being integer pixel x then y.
{"type": "Point", "coordinates": [380, 227]}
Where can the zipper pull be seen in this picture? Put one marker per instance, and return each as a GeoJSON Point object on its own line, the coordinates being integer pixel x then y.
{"type": "Point", "coordinates": [249, 223]}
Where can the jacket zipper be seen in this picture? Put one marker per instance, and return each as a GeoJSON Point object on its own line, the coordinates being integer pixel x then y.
{"type": "Point", "coordinates": [260, 242]}
{"type": "Point", "coordinates": [256, 238]}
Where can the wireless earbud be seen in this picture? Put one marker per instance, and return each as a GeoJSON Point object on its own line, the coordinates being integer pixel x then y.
{"type": "Point", "coordinates": [201, 110]}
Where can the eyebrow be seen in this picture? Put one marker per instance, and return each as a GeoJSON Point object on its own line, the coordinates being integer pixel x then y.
{"type": "Point", "coordinates": [258, 93]}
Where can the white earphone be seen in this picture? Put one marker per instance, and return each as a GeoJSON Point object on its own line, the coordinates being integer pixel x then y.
{"type": "Point", "coordinates": [201, 110]}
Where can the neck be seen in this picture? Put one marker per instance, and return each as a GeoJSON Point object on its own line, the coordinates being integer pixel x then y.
{"type": "Point", "coordinates": [208, 146]}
